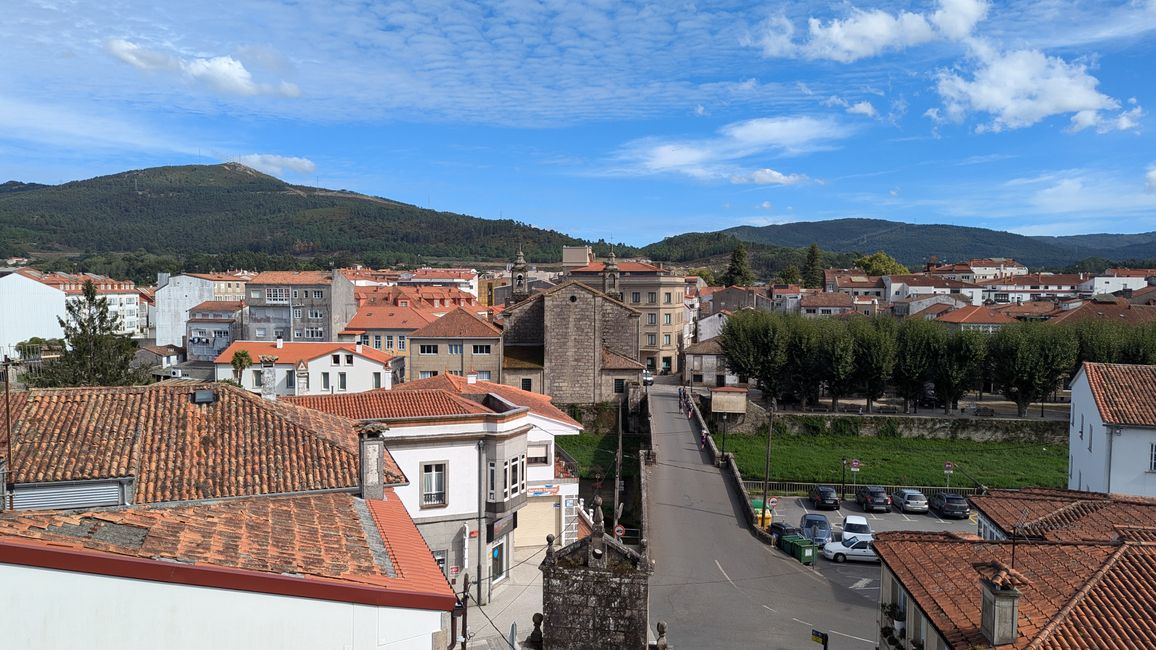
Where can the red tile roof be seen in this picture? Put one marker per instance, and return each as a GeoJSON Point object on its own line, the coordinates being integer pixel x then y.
{"type": "Point", "coordinates": [241, 276]}
{"type": "Point", "coordinates": [612, 360]}
{"type": "Point", "coordinates": [1125, 394]}
{"type": "Point", "coordinates": [370, 547]}
{"type": "Point", "coordinates": [293, 277]}
{"type": "Point", "coordinates": [73, 283]}
{"type": "Point", "coordinates": [384, 404]}
{"type": "Point", "coordinates": [1065, 515]}
{"type": "Point", "coordinates": [388, 317]}
{"type": "Point", "coordinates": [925, 280]}
{"type": "Point", "coordinates": [218, 305]}
{"type": "Point", "coordinates": [1130, 273]}
{"type": "Point", "coordinates": [837, 299]}
{"type": "Point", "coordinates": [293, 352]}
{"type": "Point", "coordinates": [1035, 279]}
{"type": "Point", "coordinates": [1073, 595]}
{"type": "Point", "coordinates": [973, 315]}
{"type": "Point", "coordinates": [933, 310]}
{"type": "Point", "coordinates": [623, 267]}
{"type": "Point", "coordinates": [538, 403]}
{"type": "Point", "coordinates": [709, 346]}
{"type": "Point", "coordinates": [239, 445]}
{"type": "Point", "coordinates": [1116, 310]}
{"type": "Point", "coordinates": [458, 324]}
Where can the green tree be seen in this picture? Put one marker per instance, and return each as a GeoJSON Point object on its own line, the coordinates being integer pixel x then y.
{"type": "Point", "coordinates": [755, 344]}
{"type": "Point", "coordinates": [917, 347]}
{"type": "Point", "coordinates": [836, 357]}
{"type": "Point", "coordinates": [738, 272]}
{"type": "Point", "coordinates": [803, 362]}
{"type": "Point", "coordinates": [1030, 360]}
{"type": "Point", "coordinates": [703, 272]}
{"type": "Point", "coordinates": [1139, 345]}
{"type": "Point", "coordinates": [1100, 341]}
{"type": "Point", "coordinates": [813, 268]}
{"type": "Point", "coordinates": [790, 275]}
{"type": "Point", "coordinates": [94, 354]}
{"type": "Point", "coordinates": [875, 348]}
{"type": "Point", "coordinates": [880, 263]}
{"type": "Point", "coordinates": [960, 361]}
{"type": "Point", "coordinates": [241, 361]}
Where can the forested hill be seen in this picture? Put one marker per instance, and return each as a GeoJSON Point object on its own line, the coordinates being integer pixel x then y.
{"type": "Point", "coordinates": [913, 244]}
{"type": "Point", "coordinates": [231, 208]}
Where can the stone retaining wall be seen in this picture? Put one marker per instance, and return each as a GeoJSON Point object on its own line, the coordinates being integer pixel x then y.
{"type": "Point", "coordinates": [918, 426]}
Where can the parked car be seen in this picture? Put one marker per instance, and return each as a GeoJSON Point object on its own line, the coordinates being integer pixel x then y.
{"type": "Point", "coordinates": [856, 526]}
{"type": "Point", "coordinates": [950, 504]}
{"type": "Point", "coordinates": [647, 378]}
{"type": "Point", "coordinates": [873, 497]}
{"type": "Point", "coordinates": [851, 548]}
{"type": "Point", "coordinates": [908, 500]}
{"type": "Point", "coordinates": [779, 530]}
{"type": "Point", "coordinates": [816, 528]}
{"type": "Point", "coordinates": [823, 496]}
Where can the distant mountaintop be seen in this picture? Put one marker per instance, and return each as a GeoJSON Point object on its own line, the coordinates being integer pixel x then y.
{"type": "Point", "coordinates": [231, 208]}
{"type": "Point", "coordinates": [914, 244]}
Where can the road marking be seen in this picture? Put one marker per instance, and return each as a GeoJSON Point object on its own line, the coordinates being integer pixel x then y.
{"type": "Point", "coordinates": [850, 636]}
{"type": "Point", "coordinates": [798, 621]}
{"type": "Point", "coordinates": [907, 518]}
{"type": "Point", "coordinates": [770, 610]}
{"type": "Point", "coordinates": [861, 583]}
{"type": "Point", "coordinates": [805, 511]}
{"type": "Point", "coordinates": [725, 575]}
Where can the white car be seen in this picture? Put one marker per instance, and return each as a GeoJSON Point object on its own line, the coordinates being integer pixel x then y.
{"type": "Point", "coordinates": [647, 378]}
{"type": "Point", "coordinates": [850, 548]}
{"type": "Point", "coordinates": [857, 526]}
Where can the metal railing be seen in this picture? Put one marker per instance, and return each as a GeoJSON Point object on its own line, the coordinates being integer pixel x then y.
{"type": "Point", "coordinates": [802, 488]}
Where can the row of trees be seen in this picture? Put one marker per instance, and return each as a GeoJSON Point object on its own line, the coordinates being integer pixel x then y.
{"type": "Point", "coordinates": [793, 358]}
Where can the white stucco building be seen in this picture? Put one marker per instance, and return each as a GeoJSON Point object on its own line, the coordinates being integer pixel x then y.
{"type": "Point", "coordinates": [1112, 430]}
{"type": "Point", "coordinates": [27, 308]}
{"type": "Point", "coordinates": [311, 368]}
{"type": "Point", "coordinates": [177, 294]}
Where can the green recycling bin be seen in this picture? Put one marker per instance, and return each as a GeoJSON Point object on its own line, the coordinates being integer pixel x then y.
{"type": "Point", "coordinates": [790, 542]}
{"type": "Point", "coordinates": [805, 551]}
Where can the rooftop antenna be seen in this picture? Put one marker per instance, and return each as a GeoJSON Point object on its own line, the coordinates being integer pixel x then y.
{"type": "Point", "coordinates": [1017, 528]}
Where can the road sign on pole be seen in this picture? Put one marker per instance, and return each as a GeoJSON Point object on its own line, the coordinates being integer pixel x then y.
{"type": "Point", "coordinates": [948, 467]}
{"type": "Point", "coordinates": [855, 464]}
{"type": "Point", "coordinates": [819, 637]}
{"type": "Point", "coordinates": [619, 531]}
{"type": "Point", "coordinates": [772, 502]}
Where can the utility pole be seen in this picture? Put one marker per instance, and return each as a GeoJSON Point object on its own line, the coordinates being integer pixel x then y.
{"type": "Point", "coordinates": [465, 609]}
{"type": "Point", "coordinates": [767, 465]}
{"type": "Point", "coordinates": [843, 482]}
{"type": "Point", "coordinates": [617, 465]}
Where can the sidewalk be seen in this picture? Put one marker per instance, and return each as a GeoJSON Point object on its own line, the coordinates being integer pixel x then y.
{"type": "Point", "coordinates": [516, 601]}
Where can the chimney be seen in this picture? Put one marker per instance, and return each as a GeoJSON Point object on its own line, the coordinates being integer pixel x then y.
{"type": "Point", "coordinates": [372, 461]}
{"type": "Point", "coordinates": [1000, 610]}
{"type": "Point", "coordinates": [269, 377]}
{"type": "Point", "coordinates": [280, 343]}
{"type": "Point", "coordinates": [472, 377]}
{"type": "Point", "coordinates": [357, 347]}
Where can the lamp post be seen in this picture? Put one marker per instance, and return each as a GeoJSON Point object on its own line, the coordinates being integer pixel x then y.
{"type": "Point", "coordinates": [767, 466]}
{"type": "Point", "coordinates": [843, 482]}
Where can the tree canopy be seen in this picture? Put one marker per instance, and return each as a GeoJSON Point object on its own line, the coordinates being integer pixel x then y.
{"type": "Point", "coordinates": [738, 272]}
{"type": "Point", "coordinates": [879, 263]}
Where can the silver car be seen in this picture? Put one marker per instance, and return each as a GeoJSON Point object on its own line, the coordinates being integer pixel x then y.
{"type": "Point", "coordinates": [908, 500]}
{"type": "Point", "coordinates": [816, 528]}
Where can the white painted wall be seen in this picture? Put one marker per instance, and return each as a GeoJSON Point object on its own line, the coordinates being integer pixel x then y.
{"type": "Point", "coordinates": [1101, 461]}
{"type": "Point", "coordinates": [173, 302]}
{"type": "Point", "coordinates": [461, 457]}
{"type": "Point", "coordinates": [47, 608]}
{"type": "Point", "coordinates": [358, 377]}
{"type": "Point", "coordinates": [28, 308]}
{"type": "Point", "coordinates": [544, 430]}
{"type": "Point", "coordinates": [711, 326]}
{"type": "Point", "coordinates": [1111, 284]}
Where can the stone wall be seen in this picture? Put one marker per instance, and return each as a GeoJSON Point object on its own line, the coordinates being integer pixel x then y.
{"type": "Point", "coordinates": [571, 357]}
{"type": "Point", "coordinates": [588, 608]}
{"type": "Point", "coordinates": [917, 426]}
{"type": "Point", "coordinates": [620, 328]}
{"type": "Point", "coordinates": [523, 324]}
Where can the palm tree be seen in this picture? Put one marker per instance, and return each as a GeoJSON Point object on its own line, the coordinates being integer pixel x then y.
{"type": "Point", "coordinates": [241, 361]}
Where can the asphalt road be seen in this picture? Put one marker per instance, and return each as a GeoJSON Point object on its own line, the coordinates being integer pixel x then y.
{"type": "Point", "coordinates": [715, 584]}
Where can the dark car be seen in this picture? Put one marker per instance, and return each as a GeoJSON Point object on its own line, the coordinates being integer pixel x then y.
{"type": "Point", "coordinates": [949, 504]}
{"type": "Point", "coordinates": [823, 496]}
{"type": "Point", "coordinates": [873, 497]}
{"type": "Point", "coordinates": [779, 530]}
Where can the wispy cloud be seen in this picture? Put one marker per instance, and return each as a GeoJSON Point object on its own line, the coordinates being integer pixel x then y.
{"type": "Point", "coordinates": [276, 165]}
{"type": "Point", "coordinates": [222, 74]}
{"type": "Point", "coordinates": [724, 155]}
{"type": "Point", "coordinates": [58, 126]}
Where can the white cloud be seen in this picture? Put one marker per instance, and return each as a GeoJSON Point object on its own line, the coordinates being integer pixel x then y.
{"type": "Point", "coordinates": [1022, 87]}
{"type": "Point", "coordinates": [767, 177]}
{"type": "Point", "coordinates": [223, 74]}
{"type": "Point", "coordinates": [274, 164]}
{"type": "Point", "coordinates": [862, 108]}
{"type": "Point", "coordinates": [766, 205]}
{"type": "Point", "coordinates": [720, 157]}
{"type": "Point", "coordinates": [1150, 179]}
{"type": "Point", "coordinates": [867, 33]}
{"type": "Point", "coordinates": [700, 111]}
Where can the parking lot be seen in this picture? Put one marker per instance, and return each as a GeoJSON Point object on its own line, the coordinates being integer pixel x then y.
{"type": "Point", "coordinates": [862, 577]}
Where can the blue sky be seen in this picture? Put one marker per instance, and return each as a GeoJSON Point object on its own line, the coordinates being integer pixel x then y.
{"type": "Point", "coordinates": [615, 120]}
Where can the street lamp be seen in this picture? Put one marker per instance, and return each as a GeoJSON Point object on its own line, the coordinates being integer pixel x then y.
{"type": "Point", "coordinates": [843, 482]}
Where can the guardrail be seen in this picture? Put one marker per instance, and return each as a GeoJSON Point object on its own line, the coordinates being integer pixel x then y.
{"type": "Point", "coordinates": [797, 487]}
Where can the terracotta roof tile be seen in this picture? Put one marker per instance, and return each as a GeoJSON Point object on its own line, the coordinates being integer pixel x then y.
{"type": "Point", "coordinates": [709, 346]}
{"type": "Point", "coordinates": [388, 317]}
{"type": "Point", "coordinates": [1124, 394]}
{"type": "Point", "coordinates": [623, 267]}
{"type": "Point", "coordinates": [218, 305]}
{"type": "Point", "coordinates": [1064, 515]}
{"type": "Point", "coordinates": [293, 352]}
{"type": "Point", "coordinates": [925, 280]}
{"type": "Point", "coordinates": [458, 324]}
{"type": "Point", "coordinates": [239, 445]}
{"type": "Point", "coordinates": [1035, 279]}
{"type": "Point", "coordinates": [977, 316]}
{"type": "Point", "coordinates": [1117, 310]}
{"type": "Point", "coordinates": [537, 403]}
{"type": "Point", "coordinates": [835, 299]}
{"type": "Point", "coordinates": [383, 404]}
{"type": "Point", "coordinates": [293, 277]}
{"type": "Point", "coordinates": [612, 360]}
{"type": "Point", "coordinates": [328, 536]}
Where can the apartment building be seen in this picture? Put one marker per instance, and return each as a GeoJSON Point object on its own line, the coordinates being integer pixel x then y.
{"type": "Point", "coordinates": [308, 367]}
{"type": "Point", "coordinates": [298, 305]}
{"type": "Point", "coordinates": [458, 343]}
{"type": "Point", "coordinates": [177, 294]}
{"type": "Point", "coordinates": [121, 295]}
{"type": "Point", "coordinates": [656, 294]}
{"type": "Point", "coordinates": [27, 309]}
{"type": "Point", "coordinates": [212, 326]}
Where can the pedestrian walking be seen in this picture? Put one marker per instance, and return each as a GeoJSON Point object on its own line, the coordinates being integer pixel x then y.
{"type": "Point", "coordinates": [702, 441]}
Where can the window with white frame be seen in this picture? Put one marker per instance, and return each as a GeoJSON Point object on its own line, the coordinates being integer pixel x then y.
{"type": "Point", "coordinates": [349, 359]}
{"type": "Point", "coordinates": [324, 381]}
{"type": "Point", "coordinates": [401, 341]}
{"type": "Point", "coordinates": [455, 348]}
{"type": "Point", "coordinates": [341, 381]}
{"type": "Point", "coordinates": [667, 319]}
{"type": "Point", "coordinates": [297, 312]}
{"type": "Point", "coordinates": [316, 313]}
{"type": "Point", "coordinates": [255, 293]}
{"type": "Point", "coordinates": [318, 294]}
{"type": "Point", "coordinates": [377, 342]}
{"type": "Point", "coordinates": [389, 341]}
{"type": "Point", "coordinates": [482, 349]}
{"type": "Point", "coordinates": [1152, 458]}
{"type": "Point", "coordinates": [277, 295]}
{"type": "Point", "coordinates": [538, 453]}
{"type": "Point", "coordinates": [426, 374]}
{"type": "Point", "coordinates": [493, 476]}
{"type": "Point", "coordinates": [427, 348]}
{"type": "Point", "coordinates": [433, 484]}
{"type": "Point", "coordinates": [651, 339]}
{"type": "Point", "coordinates": [335, 359]}
{"type": "Point", "coordinates": [314, 333]}
{"type": "Point", "coordinates": [652, 319]}
{"type": "Point", "coordinates": [484, 375]}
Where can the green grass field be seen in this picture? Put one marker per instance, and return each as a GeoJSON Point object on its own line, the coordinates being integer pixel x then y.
{"type": "Point", "coordinates": [594, 452]}
{"type": "Point", "coordinates": [901, 461]}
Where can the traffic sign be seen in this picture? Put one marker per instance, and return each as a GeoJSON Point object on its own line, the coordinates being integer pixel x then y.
{"type": "Point", "coordinates": [619, 530]}
{"type": "Point", "coordinates": [819, 637]}
{"type": "Point", "coordinates": [855, 464]}
{"type": "Point", "coordinates": [948, 467]}
{"type": "Point", "coordinates": [772, 502]}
